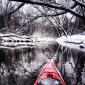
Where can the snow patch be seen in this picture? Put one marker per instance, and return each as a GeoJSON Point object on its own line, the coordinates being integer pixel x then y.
{"type": "Point", "coordinates": [74, 41]}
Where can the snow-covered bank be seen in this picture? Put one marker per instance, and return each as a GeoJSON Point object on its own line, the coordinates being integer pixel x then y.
{"type": "Point", "coordinates": [74, 42]}
{"type": "Point", "coordinates": [16, 41]}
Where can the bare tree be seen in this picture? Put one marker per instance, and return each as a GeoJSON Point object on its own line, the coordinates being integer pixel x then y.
{"type": "Point", "coordinates": [6, 10]}
{"type": "Point", "coordinates": [50, 10]}
{"type": "Point", "coordinates": [63, 8]}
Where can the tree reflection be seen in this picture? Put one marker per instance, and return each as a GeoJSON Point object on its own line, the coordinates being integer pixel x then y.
{"type": "Point", "coordinates": [22, 66]}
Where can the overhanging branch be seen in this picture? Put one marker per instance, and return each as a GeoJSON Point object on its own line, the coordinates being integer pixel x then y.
{"type": "Point", "coordinates": [16, 8]}
{"type": "Point", "coordinates": [79, 3]}
{"type": "Point", "coordinates": [60, 7]}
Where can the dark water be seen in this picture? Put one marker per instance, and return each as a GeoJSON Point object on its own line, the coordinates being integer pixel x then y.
{"type": "Point", "coordinates": [21, 66]}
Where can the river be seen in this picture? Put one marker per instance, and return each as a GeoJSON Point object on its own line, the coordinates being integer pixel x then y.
{"type": "Point", "coordinates": [21, 66]}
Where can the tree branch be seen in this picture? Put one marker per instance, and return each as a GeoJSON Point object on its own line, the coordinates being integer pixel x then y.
{"type": "Point", "coordinates": [51, 15]}
{"type": "Point", "coordinates": [52, 6]}
{"type": "Point", "coordinates": [79, 3]}
{"type": "Point", "coordinates": [17, 8]}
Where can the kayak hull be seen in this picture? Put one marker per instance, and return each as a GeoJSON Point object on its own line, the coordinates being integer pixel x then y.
{"type": "Point", "coordinates": [50, 70]}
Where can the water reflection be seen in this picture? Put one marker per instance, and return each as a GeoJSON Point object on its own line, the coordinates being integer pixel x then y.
{"type": "Point", "coordinates": [21, 66]}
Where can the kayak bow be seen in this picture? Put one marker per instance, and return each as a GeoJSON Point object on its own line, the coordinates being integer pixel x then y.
{"type": "Point", "coordinates": [50, 75]}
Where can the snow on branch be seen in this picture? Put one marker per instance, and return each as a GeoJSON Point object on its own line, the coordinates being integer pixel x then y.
{"type": "Point", "coordinates": [60, 7]}
{"type": "Point", "coordinates": [79, 3]}
{"type": "Point", "coordinates": [22, 4]}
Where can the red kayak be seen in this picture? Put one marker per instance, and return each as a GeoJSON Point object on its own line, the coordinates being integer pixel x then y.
{"type": "Point", "coordinates": [49, 75]}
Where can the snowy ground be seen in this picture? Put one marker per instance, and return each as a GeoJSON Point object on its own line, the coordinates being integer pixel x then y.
{"type": "Point", "coordinates": [74, 42]}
